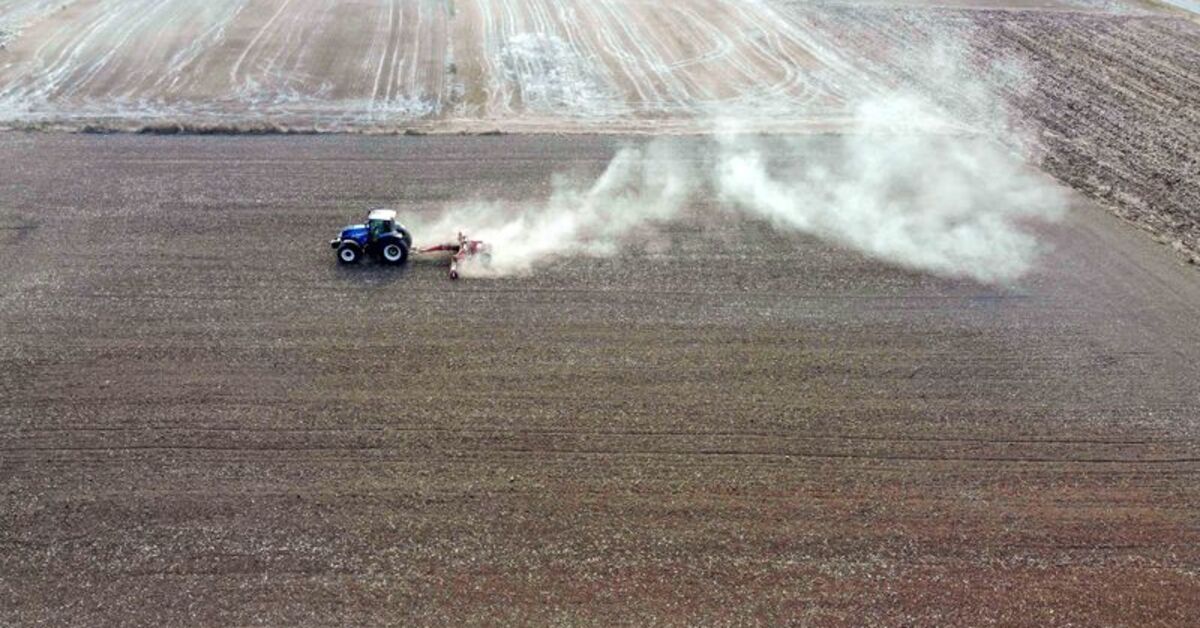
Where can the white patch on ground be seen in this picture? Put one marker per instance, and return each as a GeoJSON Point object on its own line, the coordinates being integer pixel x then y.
{"type": "Point", "coordinates": [15, 14]}
{"type": "Point", "coordinates": [551, 77]}
{"type": "Point", "coordinates": [1188, 5]}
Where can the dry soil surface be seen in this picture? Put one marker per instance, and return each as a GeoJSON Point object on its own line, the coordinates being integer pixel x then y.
{"type": "Point", "coordinates": [204, 419]}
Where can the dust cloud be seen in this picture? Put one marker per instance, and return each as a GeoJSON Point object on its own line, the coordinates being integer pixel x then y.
{"type": "Point", "coordinates": [912, 183]}
{"type": "Point", "coordinates": [950, 205]}
{"type": "Point", "coordinates": [639, 188]}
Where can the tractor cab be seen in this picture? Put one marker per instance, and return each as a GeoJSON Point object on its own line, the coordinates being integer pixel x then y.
{"type": "Point", "coordinates": [380, 223]}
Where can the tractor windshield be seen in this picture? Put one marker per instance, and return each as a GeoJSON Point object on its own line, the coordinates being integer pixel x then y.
{"type": "Point", "coordinates": [379, 228]}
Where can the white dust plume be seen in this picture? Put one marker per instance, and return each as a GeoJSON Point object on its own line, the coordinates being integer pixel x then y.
{"type": "Point", "coordinates": [908, 184]}
{"type": "Point", "coordinates": [640, 186]}
{"type": "Point", "coordinates": [945, 204]}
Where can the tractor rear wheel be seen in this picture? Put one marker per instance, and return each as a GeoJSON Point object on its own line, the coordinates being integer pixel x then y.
{"type": "Point", "coordinates": [394, 252]}
{"type": "Point", "coordinates": [349, 253]}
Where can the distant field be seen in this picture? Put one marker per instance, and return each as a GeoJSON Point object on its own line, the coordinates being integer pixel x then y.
{"type": "Point", "coordinates": [383, 63]}
{"type": "Point", "coordinates": [613, 65]}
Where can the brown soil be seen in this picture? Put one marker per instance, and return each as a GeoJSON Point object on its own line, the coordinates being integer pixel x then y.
{"type": "Point", "coordinates": [205, 420]}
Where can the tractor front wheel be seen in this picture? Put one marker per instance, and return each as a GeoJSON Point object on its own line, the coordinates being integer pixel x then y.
{"type": "Point", "coordinates": [349, 253]}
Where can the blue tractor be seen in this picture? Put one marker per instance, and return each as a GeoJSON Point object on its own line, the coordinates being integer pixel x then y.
{"type": "Point", "coordinates": [381, 237]}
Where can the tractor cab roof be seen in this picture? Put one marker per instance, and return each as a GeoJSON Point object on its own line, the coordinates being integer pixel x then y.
{"type": "Point", "coordinates": [386, 215]}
